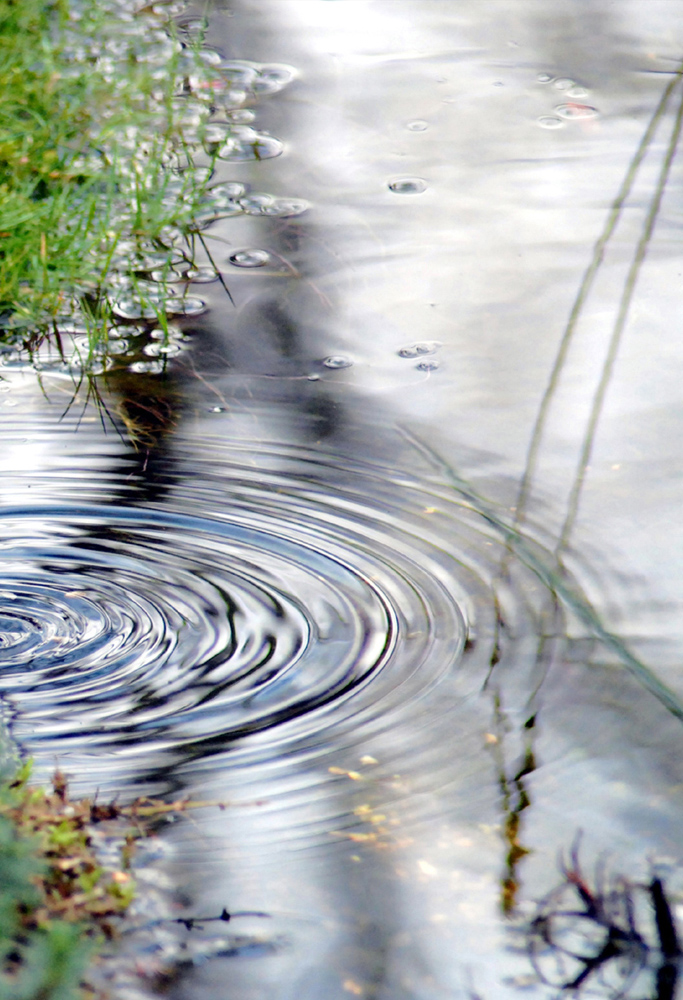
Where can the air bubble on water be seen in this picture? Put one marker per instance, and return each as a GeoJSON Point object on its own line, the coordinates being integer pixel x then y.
{"type": "Point", "coordinates": [186, 111]}
{"type": "Point", "coordinates": [576, 112]}
{"type": "Point", "coordinates": [188, 305]}
{"type": "Point", "coordinates": [254, 203]}
{"type": "Point", "coordinates": [133, 309]}
{"type": "Point", "coordinates": [201, 275]}
{"type": "Point", "coordinates": [233, 97]}
{"type": "Point", "coordinates": [549, 121]}
{"type": "Point", "coordinates": [284, 208]}
{"type": "Point", "coordinates": [563, 83]}
{"type": "Point", "coordinates": [337, 361]}
{"type": "Point", "coordinates": [117, 347]}
{"type": "Point", "coordinates": [272, 78]}
{"type": "Point", "coordinates": [148, 261]}
{"type": "Point", "coordinates": [577, 92]}
{"type": "Point", "coordinates": [249, 258]}
{"type": "Point", "coordinates": [429, 365]}
{"type": "Point", "coordinates": [241, 116]}
{"type": "Point", "coordinates": [210, 56]}
{"type": "Point", "coordinates": [218, 409]}
{"type": "Point", "coordinates": [146, 367]}
{"type": "Point", "coordinates": [200, 175]}
{"type": "Point", "coordinates": [170, 275]}
{"type": "Point", "coordinates": [248, 144]}
{"type": "Point", "coordinates": [313, 377]}
{"type": "Point", "coordinates": [544, 78]}
{"type": "Point", "coordinates": [418, 349]}
{"type": "Point", "coordinates": [417, 126]}
{"type": "Point", "coordinates": [240, 72]}
{"type": "Point", "coordinates": [215, 132]}
{"type": "Point", "coordinates": [408, 185]}
{"type": "Point", "coordinates": [227, 192]}
{"type": "Point", "coordinates": [193, 25]}
{"type": "Point", "coordinates": [169, 10]}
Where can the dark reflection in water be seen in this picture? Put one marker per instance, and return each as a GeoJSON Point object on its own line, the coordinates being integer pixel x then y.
{"type": "Point", "coordinates": [372, 560]}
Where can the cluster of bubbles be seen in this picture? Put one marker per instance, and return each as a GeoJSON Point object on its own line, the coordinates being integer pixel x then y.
{"type": "Point", "coordinates": [574, 109]}
{"type": "Point", "coordinates": [422, 351]}
{"type": "Point", "coordinates": [175, 110]}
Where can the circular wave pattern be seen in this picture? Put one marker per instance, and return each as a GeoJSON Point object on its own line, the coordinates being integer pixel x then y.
{"type": "Point", "coordinates": [246, 599]}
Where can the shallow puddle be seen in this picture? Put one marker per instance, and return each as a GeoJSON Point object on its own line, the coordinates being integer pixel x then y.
{"type": "Point", "coordinates": [370, 560]}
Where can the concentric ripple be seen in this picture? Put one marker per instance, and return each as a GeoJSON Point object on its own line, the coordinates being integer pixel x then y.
{"type": "Point", "coordinates": [273, 590]}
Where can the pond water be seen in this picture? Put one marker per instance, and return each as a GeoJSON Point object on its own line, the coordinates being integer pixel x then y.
{"type": "Point", "coordinates": [389, 558]}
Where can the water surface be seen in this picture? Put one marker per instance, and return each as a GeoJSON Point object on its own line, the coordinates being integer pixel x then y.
{"type": "Point", "coordinates": [331, 583]}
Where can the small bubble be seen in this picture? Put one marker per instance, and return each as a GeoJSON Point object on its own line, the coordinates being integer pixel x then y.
{"type": "Point", "coordinates": [201, 275]}
{"type": "Point", "coordinates": [418, 125]}
{"type": "Point", "coordinates": [171, 331]}
{"type": "Point", "coordinates": [563, 83]}
{"type": "Point", "coordinates": [117, 347]}
{"type": "Point", "coordinates": [248, 144]}
{"type": "Point", "coordinates": [408, 185]}
{"type": "Point", "coordinates": [548, 121]}
{"type": "Point", "coordinates": [577, 92]}
{"type": "Point", "coordinates": [418, 349]}
{"type": "Point", "coordinates": [260, 203]}
{"type": "Point", "coordinates": [146, 367]}
{"type": "Point", "coordinates": [171, 275]}
{"type": "Point", "coordinates": [337, 361]}
{"type": "Point", "coordinates": [429, 365]}
{"type": "Point", "coordinates": [249, 258]}
{"type": "Point", "coordinates": [155, 349]}
{"type": "Point", "coordinates": [313, 377]}
{"type": "Point", "coordinates": [186, 305]}
{"type": "Point", "coordinates": [272, 78]}
{"type": "Point", "coordinates": [216, 132]}
{"type": "Point", "coordinates": [132, 309]}
{"type": "Point", "coordinates": [544, 77]}
{"type": "Point", "coordinates": [575, 112]}
{"type": "Point", "coordinates": [285, 207]}
{"type": "Point", "coordinates": [226, 192]}
{"type": "Point", "coordinates": [218, 409]}
{"type": "Point", "coordinates": [210, 57]}
{"type": "Point", "coordinates": [242, 116]}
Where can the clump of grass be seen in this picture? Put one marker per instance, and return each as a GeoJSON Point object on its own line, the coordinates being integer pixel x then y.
{"type": "Point", "coordinates": [50, 898]}
{"type": "Point", "coordinates": [58, 900]}
{"type": "Point", "coordinates": [102, 112]}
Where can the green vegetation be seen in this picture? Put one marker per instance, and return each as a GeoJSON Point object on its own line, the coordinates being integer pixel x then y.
{"type": "Point", "coordinates": [101, 116]}
{"type": "Point", "coordinates": [58, 900]}
{"type": "Point", "coordinates": [53, 893]}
